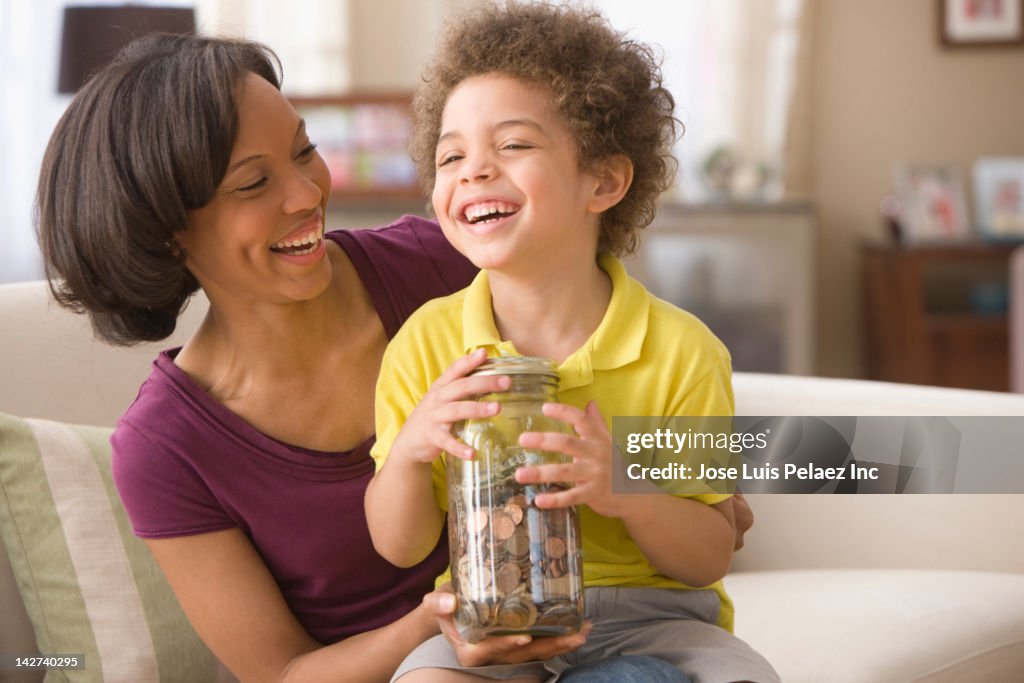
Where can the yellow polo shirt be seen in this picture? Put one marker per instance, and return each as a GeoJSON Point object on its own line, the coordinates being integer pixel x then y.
{"type": "Point", "coordinates": [647, 357]}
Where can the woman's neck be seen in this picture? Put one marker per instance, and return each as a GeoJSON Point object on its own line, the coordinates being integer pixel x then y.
{"type": "Point", "coordinates": [554, 314]}
{"type": "Point", "coordinates": [240, 342]}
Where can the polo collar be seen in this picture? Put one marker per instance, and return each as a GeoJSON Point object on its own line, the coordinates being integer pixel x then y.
{"type": "Point", "coordinates": [616, 342]}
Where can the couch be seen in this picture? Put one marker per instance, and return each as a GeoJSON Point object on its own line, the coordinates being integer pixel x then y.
{"type": "Point", "coordinates": [843, 589]}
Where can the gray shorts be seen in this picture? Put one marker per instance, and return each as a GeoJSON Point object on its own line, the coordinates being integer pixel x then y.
{"type": "Point", "coordinates": [675, 625]}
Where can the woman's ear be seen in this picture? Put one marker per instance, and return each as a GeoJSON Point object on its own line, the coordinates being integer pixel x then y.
{"type": "Point", "coordinates": [614, 176]}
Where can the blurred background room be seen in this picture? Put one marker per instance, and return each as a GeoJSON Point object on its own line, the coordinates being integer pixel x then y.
{"type": "Point", "coordinates": [850, 197]}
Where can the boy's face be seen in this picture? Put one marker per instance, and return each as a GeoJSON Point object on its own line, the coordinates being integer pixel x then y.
{"type": "Point", "coordinates": [509, 192]}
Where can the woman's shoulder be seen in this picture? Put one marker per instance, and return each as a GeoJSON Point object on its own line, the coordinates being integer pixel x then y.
{"type": "Point", "coordinates": [404, 264]}
{"type": "Point", "coordinates": [410, 240]}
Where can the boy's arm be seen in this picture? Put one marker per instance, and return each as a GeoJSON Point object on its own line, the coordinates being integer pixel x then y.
{"type": "Point", "coordinates": [684, 538]}
{"type": "Point", "coordinates": [402, 509]}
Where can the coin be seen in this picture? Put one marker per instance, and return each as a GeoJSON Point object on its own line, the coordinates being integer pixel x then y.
{"type": "Point", "coordinates": [514, 511]}
{"type": "Point", "coordinates": [554, 547]}
{"type": "Point", "coordinates": [516, 613]}
{"type": "Point", "coordinates": [476, 521]}
{"type": "Point", "coordinates": [508, 577]}
{"type": "Point", "coordinates": [502, 525]}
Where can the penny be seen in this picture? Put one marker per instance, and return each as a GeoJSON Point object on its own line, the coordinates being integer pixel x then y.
{"type": "Point", "coordinates": [502, 525]}
{"type": "Point", "coordinates": [476, 521]}
{"type": "Point", "coordinates": [514, 511]}
{"type": "Point", "coordinates": [507, 578]}
{"type": "Point", "coordinates": [516, 613]}
{"type": "Point", "coordinates": [518, 546]}
{"type": "Point", "coordinates": [554, 547]}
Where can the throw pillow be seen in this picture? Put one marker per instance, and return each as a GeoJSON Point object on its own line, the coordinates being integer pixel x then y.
{"type": "Point", "coordinates": [90, 586]}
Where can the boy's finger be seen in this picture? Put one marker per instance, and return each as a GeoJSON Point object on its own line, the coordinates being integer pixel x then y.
{"type": "Point", "coordinates": [466, 410]}
{"type": "Point", "coordinates": [465, 387]}
{"type": "Point", "coordinates": [452, 446]}
{"type": "Point", "coordinates": [462, 366]}
{"type": "Point", "coordinates": [588, 423]}
{"type": "Point", "coordinates": [546, 474]}
{"type": "Point", "coordinates": [566, 444]}
{"type": "Point", "coordinates": [560, 499]}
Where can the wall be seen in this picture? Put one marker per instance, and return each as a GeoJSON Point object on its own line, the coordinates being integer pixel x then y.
{"type": "Point", "coordinates": [883, 90]}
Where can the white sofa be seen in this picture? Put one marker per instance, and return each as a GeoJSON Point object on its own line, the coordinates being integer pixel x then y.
{"type": "Point", "coordinates": [843, 589]}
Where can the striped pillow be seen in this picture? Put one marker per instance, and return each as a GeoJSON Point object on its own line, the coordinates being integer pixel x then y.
{"type": "Point", "coordinates": [89, 586]}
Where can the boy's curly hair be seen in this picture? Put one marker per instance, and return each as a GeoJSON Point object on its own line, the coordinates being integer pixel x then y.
{"type": "Point", "coordinates": [607, 88]}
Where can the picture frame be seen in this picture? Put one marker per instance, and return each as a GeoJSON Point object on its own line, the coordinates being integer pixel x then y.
{"type": "Point", "coordinates": [933, 206]}
{"type": "Point", "coordinates": [981, 23]}
{"type": "Point", "coordinates": [999, 198]}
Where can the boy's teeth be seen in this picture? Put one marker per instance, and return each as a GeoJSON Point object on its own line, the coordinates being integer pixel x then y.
{"type": "Point", "coordinates": [476, 212]}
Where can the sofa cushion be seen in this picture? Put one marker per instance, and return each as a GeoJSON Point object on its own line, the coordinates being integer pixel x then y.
{"type": "Point", "coordinates": [883, 625]}
{"type": "Point", "coordinates": [89, 586]}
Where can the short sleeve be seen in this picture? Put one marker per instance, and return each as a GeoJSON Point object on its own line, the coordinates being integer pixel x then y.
{"type": "Point", "coordinates": [712, 396]}
{"type": "Point", "coordinates": [163, 496]}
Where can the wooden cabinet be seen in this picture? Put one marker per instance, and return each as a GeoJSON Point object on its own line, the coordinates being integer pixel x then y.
{"type": "Point", "coordinates": [937, 315]}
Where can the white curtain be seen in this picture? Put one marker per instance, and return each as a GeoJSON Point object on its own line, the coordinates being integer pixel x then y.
{"type": "Point", "coordinates": [731, 65]}
{"type": "Point", "coordinates": [29, 108]}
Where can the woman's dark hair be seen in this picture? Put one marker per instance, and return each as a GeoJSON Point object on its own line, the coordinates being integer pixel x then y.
{"type": "Point", "coordinates": [607, 88]}
{"type": "Point", "coordinates": [146, 141]}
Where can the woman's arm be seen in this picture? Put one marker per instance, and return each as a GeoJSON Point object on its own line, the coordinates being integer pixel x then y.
{"type": "Point", "coordinates": [233, 602]}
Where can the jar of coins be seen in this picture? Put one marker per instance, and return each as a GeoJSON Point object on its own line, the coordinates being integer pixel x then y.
{"type": "Point", "coordinates": [515, 567]}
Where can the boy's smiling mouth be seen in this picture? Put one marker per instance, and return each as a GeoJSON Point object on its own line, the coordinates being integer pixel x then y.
{"type": "Point", "coordinates": [487, 212]}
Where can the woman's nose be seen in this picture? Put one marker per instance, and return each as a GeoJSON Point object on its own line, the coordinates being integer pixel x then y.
{"type": "Point", "coordinates": [303, 193]}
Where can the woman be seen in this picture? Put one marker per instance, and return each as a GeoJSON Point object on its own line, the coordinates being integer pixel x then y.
{"type": "Point", "coordinates": [245, 456]}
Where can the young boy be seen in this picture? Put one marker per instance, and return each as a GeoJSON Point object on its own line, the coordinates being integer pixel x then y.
{"type": "Point", "coordinates": [545, 137]}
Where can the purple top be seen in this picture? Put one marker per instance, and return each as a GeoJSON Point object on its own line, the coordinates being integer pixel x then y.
{"type": "Point", "coordinates": [184, 464]}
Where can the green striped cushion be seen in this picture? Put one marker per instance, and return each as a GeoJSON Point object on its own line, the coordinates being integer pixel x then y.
{"type": "Point", "coordinates": [90, 587]}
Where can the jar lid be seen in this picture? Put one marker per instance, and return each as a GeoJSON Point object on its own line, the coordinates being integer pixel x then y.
{"type": "Point", "coordinates": [518, 365]}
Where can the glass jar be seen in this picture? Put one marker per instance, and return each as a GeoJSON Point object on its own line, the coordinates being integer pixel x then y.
{"type": "Point", "coordinates": [515, 567]}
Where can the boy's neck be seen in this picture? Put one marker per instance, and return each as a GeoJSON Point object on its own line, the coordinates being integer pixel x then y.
{"type": "Point", "coordinates": [551, 315]}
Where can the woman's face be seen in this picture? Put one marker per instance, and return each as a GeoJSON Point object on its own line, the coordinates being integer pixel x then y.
{"type": "Point", "coordinates": [261, 237]}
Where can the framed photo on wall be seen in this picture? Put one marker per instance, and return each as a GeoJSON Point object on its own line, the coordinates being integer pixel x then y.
{"type": "Point", "coordinates": [932, 203]}
{"type": "Point", "coordinates": [973, 23]}
{"type": "Point", "coordinates": [999, 197]}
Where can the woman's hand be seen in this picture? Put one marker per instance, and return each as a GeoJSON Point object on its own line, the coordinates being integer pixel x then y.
{"type": "Point", "coordinates": [428, 429]}
{"type": "Point", "coordinates": [497, 649]}
{"type": "Point", "coordinates": [590, 469]}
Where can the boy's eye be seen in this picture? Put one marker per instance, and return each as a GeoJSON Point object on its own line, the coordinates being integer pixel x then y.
{"type": "Point", "coordinates": [516, 145]}
{"type": "Point", "coordinates": [447, 159]}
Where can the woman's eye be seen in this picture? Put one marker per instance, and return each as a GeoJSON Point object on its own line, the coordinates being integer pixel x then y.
{"type": "Point", "coordinates": [254, 186]}
{"type": "Point", "coordinates": [307, 150]}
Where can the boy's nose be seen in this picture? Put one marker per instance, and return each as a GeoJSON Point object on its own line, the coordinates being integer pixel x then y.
{"type": "Point", "coordinates": [479, 169]}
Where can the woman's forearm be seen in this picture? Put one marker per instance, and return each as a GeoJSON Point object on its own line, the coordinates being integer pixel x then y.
{"type": "Point", "coordinates": [369, 657]}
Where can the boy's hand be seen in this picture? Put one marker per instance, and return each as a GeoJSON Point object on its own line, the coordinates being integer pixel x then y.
{"type": "Point", "coordinates": [428, 430]}
{"type": "Point", "coordinates": [591, 466]}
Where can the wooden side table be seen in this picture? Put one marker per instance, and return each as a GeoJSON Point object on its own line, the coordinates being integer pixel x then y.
{"type": "Point", "coordinates": [937, 314]}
